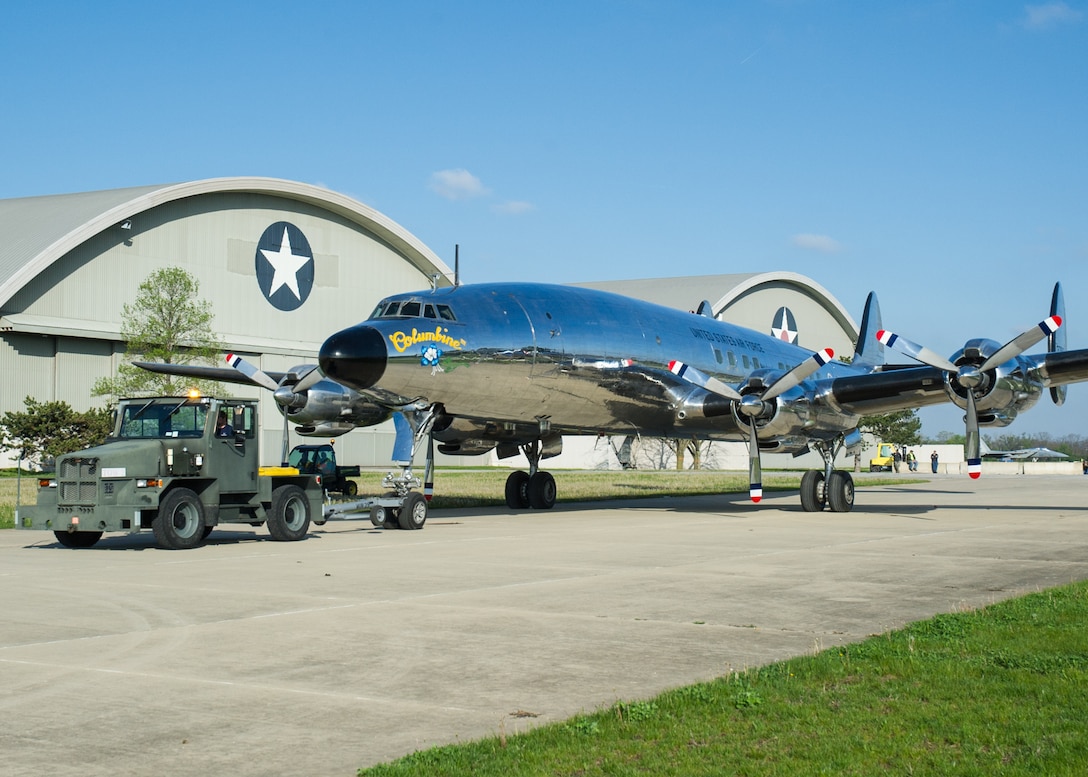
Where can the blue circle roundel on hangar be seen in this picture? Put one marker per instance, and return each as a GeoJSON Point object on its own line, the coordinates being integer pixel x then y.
{"type": "Point", "coordinates": [285, 266]}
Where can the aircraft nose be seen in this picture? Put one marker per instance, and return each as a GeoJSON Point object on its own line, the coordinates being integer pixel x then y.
{"type": "Point", "coordinates": [354, 357]}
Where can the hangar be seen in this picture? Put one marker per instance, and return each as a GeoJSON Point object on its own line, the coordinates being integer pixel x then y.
{"type": "Point", "coordinates": [69, 262]}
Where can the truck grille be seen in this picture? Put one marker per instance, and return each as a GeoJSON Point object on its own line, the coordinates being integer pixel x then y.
{"type": "Point", "coordinates": [77, 480]}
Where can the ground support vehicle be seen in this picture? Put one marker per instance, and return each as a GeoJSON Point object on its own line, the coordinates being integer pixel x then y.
{"type": "Point", "coordinates": [321, 460]}
{"type": "Point", "coordinates": [883, 460]}
{"type": "Point", "coordinates": [399, 508]}
{"type": "Point", "coordinates": [165, 468]}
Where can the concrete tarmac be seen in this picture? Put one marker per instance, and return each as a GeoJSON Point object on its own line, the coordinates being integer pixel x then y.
{"type": "Point", "coordinates": [356, 646]}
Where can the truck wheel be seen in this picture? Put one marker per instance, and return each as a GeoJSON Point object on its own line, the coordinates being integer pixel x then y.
{"type": "Point", "coordinates": [179, 524]}
{"type": "Point", "coordinates": [77, 539]}
{"type": "Point", "coordinates": [351, 488]}
{"type": "Point", "coordinates": [413, 511]}
{"type": "Point", "coordinates": [378, 516]}
{"type": "Point", "coordinates": [289, 518]}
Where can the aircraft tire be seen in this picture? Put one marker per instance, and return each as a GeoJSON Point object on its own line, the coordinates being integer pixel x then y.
{"type": "Point", "coordinates": [77, 539]}
{"type": "Point", "coordinates": [179, 524]}
{"type": "Point", "coordinates": [413, 511]}
{"type": "Point", "coordinates": [840, 492]}
{"type": "Point", "coordinates": [542, 491]}
{"type": "Point", "coordinates": [517, 490]}
{"type": "Point", "coordinates": [289, 515]}
{"type": "Point", "coordinates": [813, 493]}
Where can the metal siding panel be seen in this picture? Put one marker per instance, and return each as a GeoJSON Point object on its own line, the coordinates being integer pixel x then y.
{"type": "Point", "coordinates": [79, 363]}
{"type": "Point", "coordinates": [26, 362]}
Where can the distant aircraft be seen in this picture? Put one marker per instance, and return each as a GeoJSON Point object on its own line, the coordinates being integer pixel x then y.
{"type": "Point", "coordinates": [1021, 454]}
{"type": "Point", "coordinates": [513, 367]}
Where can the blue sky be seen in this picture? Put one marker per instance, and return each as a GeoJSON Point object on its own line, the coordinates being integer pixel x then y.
{"type": "Point", "coordinates": [935, 152]}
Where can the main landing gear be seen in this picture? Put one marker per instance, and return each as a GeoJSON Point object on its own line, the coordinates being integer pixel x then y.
{"type": "Point", "coordinates": [831, 487]}
{"type": "Point", "coordinates": [535, 488]}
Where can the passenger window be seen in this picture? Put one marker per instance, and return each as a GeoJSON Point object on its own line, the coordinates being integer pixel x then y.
{"type": "Point", "coordinates": [718, 355]}
{"type": "Point", "coordinates": [732, 358]}
{"type": "Point", "coordinates": [744, 357]}
{"type": "Point", "coordinates": [755, 361]}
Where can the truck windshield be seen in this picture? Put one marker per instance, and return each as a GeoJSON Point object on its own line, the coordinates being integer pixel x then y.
{"type": "Point", "coordinates": [158, 419]}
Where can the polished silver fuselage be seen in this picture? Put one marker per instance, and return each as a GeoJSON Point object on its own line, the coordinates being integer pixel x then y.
{"type": "Point", "coordinates": [583, 361]}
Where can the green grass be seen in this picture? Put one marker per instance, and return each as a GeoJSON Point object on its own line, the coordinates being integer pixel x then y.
{"type": "Point", "coordinates": [997, 691]}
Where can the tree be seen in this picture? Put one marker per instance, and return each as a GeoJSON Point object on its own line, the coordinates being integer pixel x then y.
{"type": "Point", "coordinates": [903, 427]}
{"type": "Point", "coordinates": [168, 323]}
{"type": "Point", "coordinates": [45, 430]}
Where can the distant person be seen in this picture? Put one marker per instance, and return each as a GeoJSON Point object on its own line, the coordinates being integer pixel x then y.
{"type": "Point", "coordinates": [933, 462]}
{"type": "Point", "coordinates": [897, 458]}
{"type": "Point", "coordinates": [222, 428]}
{"type": "Point", "coordinates": [912, 461]}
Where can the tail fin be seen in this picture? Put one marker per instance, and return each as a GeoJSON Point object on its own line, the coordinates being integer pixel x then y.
{"type": "Point", "coordinates": [869, 352]}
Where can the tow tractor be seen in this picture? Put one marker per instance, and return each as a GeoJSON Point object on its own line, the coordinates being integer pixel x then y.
{"type": "Point", "coordinates": [172, 466]}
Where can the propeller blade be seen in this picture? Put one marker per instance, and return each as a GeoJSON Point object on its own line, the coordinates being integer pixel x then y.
{"type": "Point", "coordinates": [307, 381]}
{"type": "Point", "coordinates": [798, 373]}
{"type": "Point", "coordinates": [972, 445]}
{"type": "Point", "coordinates": [1022, 342]}
{"type": "Point", "coordinates": [691, 375]}
{"type": "Point", "coordinates": [914, 350]}
{"type": "Point", "coordinates": [755, 470]}
{"type": "Point", "coordinates": [251, 372]}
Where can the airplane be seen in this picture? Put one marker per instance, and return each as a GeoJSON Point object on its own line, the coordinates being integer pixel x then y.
{"type": "Point", "coordinates": [1021, 454]}
{"type": "Point", "coordinates": [513, 367]}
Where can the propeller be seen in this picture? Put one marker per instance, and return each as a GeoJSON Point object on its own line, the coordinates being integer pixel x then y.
{"type": "Point", "coordinates": [755, 404]}
{"type": "Point", "coordinates": [970, 376]}
{"type": "Point", "coordinates": [286, 392]}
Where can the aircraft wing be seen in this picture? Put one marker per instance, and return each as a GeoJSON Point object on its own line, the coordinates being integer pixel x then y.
{"type": "Point", "coordinates": [223, 374]}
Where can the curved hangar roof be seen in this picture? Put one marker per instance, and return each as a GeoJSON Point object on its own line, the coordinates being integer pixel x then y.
{"type": "Point", "coordinates": [213, 228]}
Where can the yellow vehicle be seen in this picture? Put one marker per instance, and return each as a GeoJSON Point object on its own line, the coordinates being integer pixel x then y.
{"type": "Point", "coordinates": [882, 462]}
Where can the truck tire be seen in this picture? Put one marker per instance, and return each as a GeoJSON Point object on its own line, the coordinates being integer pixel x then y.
{"type": "Point", "coordinates": [77, 539]}
{"type": "Point", "coordinates": [179, 524]}
{"type": "Point", "coordinates": [289, 516]}
{"type": "Point", "coordinates": [413, 511]}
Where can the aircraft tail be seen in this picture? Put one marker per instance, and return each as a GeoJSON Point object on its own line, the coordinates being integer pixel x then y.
{"type": "Point", "coordinates": [869, 352]}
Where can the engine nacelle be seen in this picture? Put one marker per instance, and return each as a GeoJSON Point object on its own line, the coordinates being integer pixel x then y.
{"type": "Point", "coordinates": [329, 405]}
{"type": "Point", "coordinates": [1004, 391]}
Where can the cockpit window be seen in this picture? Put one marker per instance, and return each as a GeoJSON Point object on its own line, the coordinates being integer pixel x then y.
{"type": "Point", "coordinates": [411, 308]}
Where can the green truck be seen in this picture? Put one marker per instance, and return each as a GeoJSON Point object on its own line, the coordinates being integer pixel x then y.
{"type": "Point", "coordinates": [179, 466]}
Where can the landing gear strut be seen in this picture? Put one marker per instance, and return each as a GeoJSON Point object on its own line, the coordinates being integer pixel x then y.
{"type": "Point", "coordinates": [535, 488]}
{"type": "Point", "coordinates": [831, 487]}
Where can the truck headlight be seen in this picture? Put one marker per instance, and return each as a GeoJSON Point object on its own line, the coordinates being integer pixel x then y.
{"type": "Point", "coordinates": [148, 483]}
{"type": "Point", "coordinates": [47, 483]}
